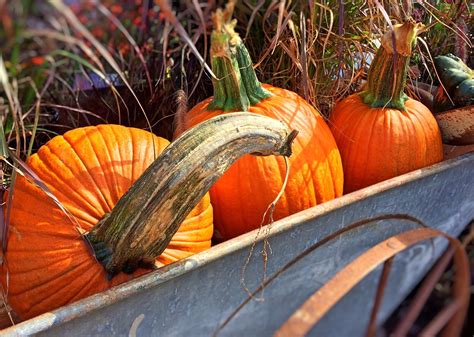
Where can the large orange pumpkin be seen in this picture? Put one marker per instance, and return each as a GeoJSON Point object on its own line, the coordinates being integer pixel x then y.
{"type": "Point", "coordinates": [381, 133]}
{"type": "Point", "coordinates": [48, 262]}
{"type": "Point", "coordinates": [241, 196]}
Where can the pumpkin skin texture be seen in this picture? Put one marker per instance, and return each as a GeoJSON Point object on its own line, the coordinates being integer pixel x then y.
{"type": "Point", "coordinates": [241, 196]}
{"type": "Point", "coordinates": [88, 170]}
{"type": "Point", "coordinates": [380, 132]}
{"type": "Point", "coordinates": [380, 143]}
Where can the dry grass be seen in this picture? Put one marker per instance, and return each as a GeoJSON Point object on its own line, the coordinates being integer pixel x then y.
{"type": "Point", "coordinates": [322, 50]}
{"type": "Point", "coordinates": [91, 63]}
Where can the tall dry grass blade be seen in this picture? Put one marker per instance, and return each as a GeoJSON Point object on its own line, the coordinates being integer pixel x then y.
{"type": "Point", "coordinates": [423, 43]}
{"type": "Point", "coordinates": [55, 35]}
{"type": "Point", "coordinates": [181, 110]}
{"type": "Point", "coordinates": [255, 10]}
{"type": "Point", "coordinates": [447, 23]}
{"type": "Point", "coordinates": [83, 111]}
{"type": "Point", "coordinates": [3, 143]}
{"type": "Point", "coordinates": [173, 20]}
{"type": "Point", "coordinates": [79, 27]}
{"type": "Point", "coordinates": [6, 220]}
{"type": "Point", "coordinates": [5, 84]}
{"type": "Point", "coordinates": [3, 224]}
{"type": "Point", "coordinates": [130, 39]}
{"type": "Point", "coordinates": [36, 108]}
{"type": "Point", "coordinates": [102, 75]}
{"type": "Point", "coordinates": [268, 214]}
{"type": "Point", "coordinates": [37, 105]}
{"type": "Point", "coordinates": [281, 10]}
{"type": "Point", "coordinates": [304, 61]}
{"type": "Point", "coordinates": [201, 30]}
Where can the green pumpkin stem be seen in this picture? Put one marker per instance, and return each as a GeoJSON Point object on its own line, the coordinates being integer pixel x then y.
{"type": "Point", "coordinates": [236, 86]}
{"type": "Point", "coordinates": [141, 225]}
{"type": "Point", "coordinates": [389, 68]}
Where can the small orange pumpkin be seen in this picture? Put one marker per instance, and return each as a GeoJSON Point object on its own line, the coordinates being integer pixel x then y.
{"type": "Point", "coordinates": [47, 261]}
{"type": "Point", "coordinates": [242, 194]}
{"type": "Point", "coordinates": [381, 133]}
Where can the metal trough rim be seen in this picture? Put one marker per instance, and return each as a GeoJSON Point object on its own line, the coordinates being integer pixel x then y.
{"type": "Point", "coordinates": [167, 273]}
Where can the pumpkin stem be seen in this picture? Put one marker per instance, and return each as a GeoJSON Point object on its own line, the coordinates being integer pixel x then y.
{"type": "Point", "coordinates": [237, 86]}
{"type": "Point", "coordinates": [141, 225]}
{"type": "Point", "coordinates": [388, 70]}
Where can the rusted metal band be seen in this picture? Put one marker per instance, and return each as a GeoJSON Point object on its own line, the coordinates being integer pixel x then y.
{"type": "Point", "coordinates": [316, 306]}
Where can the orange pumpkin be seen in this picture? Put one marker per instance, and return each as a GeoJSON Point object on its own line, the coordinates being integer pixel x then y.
{"type": "Point", "coordinates": [241, 196]}
{"type": "Point", "coordinates": [48, 262]}
{"type": "Point", "coordinates": [381, 133]}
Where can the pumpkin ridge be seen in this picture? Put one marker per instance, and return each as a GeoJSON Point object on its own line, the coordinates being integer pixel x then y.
{"type": "Point", "coordinates": [330, 167]}
{"type": "Point", "coordinates": [241, 191]}
{"type": "Point", "coordinates": [164, 259]}
{"type": "Point", "coordinates": [316, 190]}
{"type": "Point", "coordinates": [402, 129]}
{"type": "Point", "coordinates": [187, 243]}
{"type": "Point", "coordinates": [138, 166]}
{"type": "Point", "coordinates": [390, 136]}
{"type": "Point", "coordinates": [94, 210]}
{"type": "Point", "coordinates": [362, 135]}
{"type": "Point", "coordinates": [352, 138]}
{"type": "Point", "coordinates": [109, 173]}
{"type": "Point", "coordinates": [172, 255]}
{"type": "Point", "coordinates": [114, 189]}
{"type": "Point", "coordinates": [422, 121]}
{"type": "Point", "coordinates": [62, 249]}
{"type": "Point", "coordinates": [124, 157]}
{"type": "Point", "coordinates": [50, 279]}
{"type": "Point", "coordinates": [273, 109]}
{"type": "Point", "coordinates": [331, 175]}
{"type": "Point", "coordinates": [76, 211]}
{"type": "Point", "coordinates": [47, 296]}
{"type": "Point", "coordinates": [119, 168]}
{"type": "Point", "coordinates": [185, 231]}
{"type": "Point", "coordinates": [89, 287]}
{"type": "Point", "coordinates": [428, 127]}
{"type": "Point", "coordinates": [186, 247]}
{"type": "Point", "coordinates": [262, 173]}
{"type": "Point", "coordinates": [414, 132]}
{"type": "Point", "coordinates": [100, 197]}
{"type": "Point", "coordinates": [53, 263]}
{"type": "Point", "coordinates": [100, 188]}
{"type": "Point", "coordinates": [345, 117]}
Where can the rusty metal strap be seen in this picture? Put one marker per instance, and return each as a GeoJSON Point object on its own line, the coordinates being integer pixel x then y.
{"type": "Point", "coordinates": [318, 304]}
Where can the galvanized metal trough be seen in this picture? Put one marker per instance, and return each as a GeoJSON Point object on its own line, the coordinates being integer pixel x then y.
{"type": "Point", "coordinates": [204, 295]}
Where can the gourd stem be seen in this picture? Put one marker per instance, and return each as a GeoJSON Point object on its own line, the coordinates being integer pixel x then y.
{"type": "Point", "coordinates": [145, 219]}
{"type": "Point", "coordinates": [229, 90]}
{"type": "Point", "coordinates": [236, 87]}
{"type": "Point", "coordinates": [388, 70]}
